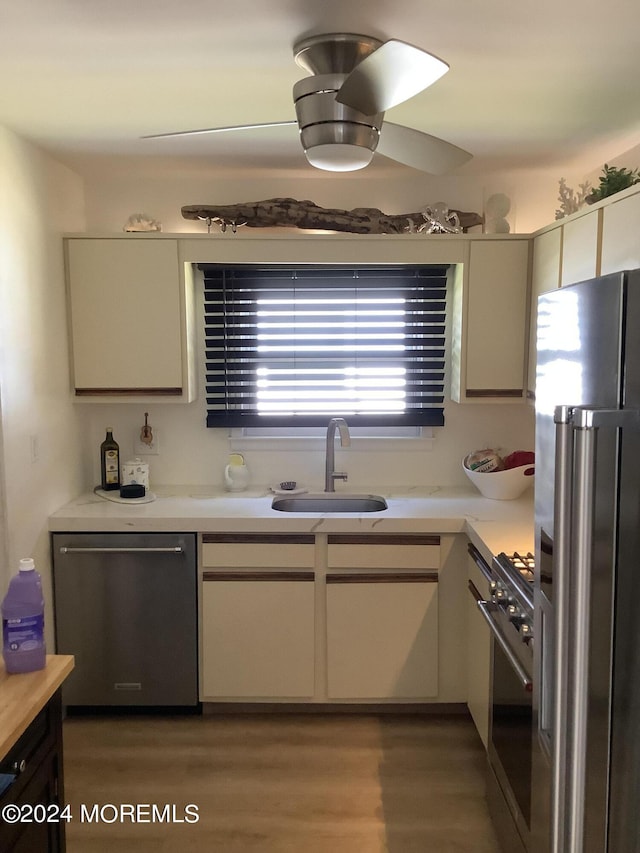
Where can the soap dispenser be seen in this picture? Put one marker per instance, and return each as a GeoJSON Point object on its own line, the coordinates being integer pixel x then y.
{"type": "Point", "coordinates": [236, 474]}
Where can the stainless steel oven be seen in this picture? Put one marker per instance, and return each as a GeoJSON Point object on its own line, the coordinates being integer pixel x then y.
{"type": "Point", "coordinates": [509, 614]}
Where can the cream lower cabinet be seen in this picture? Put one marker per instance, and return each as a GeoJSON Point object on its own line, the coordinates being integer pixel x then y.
{"type": "Point", "coordinates": [327, 618]}
{"type": "Point", "coordinates": [382, 624]}
{"type": "Point", "coordinates": [258, 624]}
{"type": "Point", "coordinates": [478, 652]}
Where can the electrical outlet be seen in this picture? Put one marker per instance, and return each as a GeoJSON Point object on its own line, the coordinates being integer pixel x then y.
{"type": "Point", "coordinates": [141, 448]}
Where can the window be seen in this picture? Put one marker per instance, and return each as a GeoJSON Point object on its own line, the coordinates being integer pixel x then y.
{"type": "Point", "coordinates": [293, 347]}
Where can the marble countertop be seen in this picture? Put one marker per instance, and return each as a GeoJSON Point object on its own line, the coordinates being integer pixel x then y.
{"type": "Point", "coordinates": [493, 526]}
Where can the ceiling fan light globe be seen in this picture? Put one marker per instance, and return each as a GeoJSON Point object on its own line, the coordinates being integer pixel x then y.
{"type": "Point", "coordinates": [339, 157]}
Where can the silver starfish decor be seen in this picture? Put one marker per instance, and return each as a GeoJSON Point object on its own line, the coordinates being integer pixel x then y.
{"type": "Point", "coordinates": [438, 219]}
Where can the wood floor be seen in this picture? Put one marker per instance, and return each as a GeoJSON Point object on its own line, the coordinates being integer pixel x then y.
{"type": "Point", "coordinates": [287, 783]}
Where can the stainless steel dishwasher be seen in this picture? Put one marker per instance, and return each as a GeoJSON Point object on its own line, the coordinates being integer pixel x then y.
{"type": "Point", "coordinates": [126, 608]}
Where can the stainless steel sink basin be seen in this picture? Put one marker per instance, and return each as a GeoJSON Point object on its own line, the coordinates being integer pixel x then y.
{"type": "Point", "coordinates": [329, 502]}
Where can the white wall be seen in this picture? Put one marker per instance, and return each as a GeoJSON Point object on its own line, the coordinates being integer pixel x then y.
{"type": "Point", "coordinates": [192, 454]}
{"type": "Point", "coordinates": [117, 187]}
{"type": "Point", "coordinates": [39, 200]}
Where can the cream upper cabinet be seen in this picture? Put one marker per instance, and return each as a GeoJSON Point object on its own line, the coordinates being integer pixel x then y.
{"type": "Point", "coordinates": [581, 247]}
{"type": "Point", "coordinates": [620, 234]}
{"type": "Point", "coordinates": [130, 310]}
{"type": "Point", "coordinates": [545, 276]}
{"type": "Point", "coordinates": [580, 242]}
{"type": "Point", "coordinates": [490, 322]}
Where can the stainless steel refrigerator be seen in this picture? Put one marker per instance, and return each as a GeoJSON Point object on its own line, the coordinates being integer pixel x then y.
{"type": "Point", "coordinates": [586, 728]}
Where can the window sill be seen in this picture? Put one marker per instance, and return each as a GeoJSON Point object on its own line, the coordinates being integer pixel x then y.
{"type": "Point", "coordinates": [359, 444]}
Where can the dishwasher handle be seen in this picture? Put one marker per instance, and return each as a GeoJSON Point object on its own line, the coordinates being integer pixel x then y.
{"type": "Point", "coordinates": [177, 549]}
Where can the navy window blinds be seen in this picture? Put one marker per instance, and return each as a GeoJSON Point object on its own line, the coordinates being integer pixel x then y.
{"type": "Point", "coordinates": [289, 346]}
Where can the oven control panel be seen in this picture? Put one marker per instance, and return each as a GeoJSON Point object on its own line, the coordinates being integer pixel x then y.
{"type": "Point", "coordinates": [518, 613]}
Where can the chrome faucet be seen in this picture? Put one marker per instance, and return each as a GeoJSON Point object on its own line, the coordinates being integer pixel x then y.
{"type": "Point", "coordinates": [330, 476]}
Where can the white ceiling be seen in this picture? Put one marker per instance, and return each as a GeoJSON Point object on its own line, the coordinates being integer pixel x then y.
{"type": "Point", "coordinates": [533, 83]}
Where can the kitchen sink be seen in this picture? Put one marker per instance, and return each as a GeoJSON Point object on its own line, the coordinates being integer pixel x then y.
{"type": "Point", "coordinates": [329, 502]}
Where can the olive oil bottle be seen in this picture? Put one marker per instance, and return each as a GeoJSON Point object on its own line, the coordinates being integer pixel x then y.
{"type": "Point", "coordinates": [110, 462]}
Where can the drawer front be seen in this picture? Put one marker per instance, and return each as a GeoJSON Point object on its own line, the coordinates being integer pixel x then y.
{"type": "Point", "coordinates": [389, 551]}
{"type": "Point", "coordinates": [225, 550]}
{"type": "Point", "coordinates": [39, 737]}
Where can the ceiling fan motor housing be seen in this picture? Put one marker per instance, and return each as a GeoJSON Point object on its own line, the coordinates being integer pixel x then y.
{"type": "Point", "coordinates": [335, 137]}
{"type": "Point", "coordinates": [333, 53]}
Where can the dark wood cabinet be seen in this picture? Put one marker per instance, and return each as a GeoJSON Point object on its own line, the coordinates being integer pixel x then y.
{"type": "Point", "coordinates": [37, 790]}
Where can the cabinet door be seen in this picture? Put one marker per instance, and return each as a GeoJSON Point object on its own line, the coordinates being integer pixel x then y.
{"type": "Point", "coordinates": [127, 316]}
{"type": "Point", "coordinates": [580, 240]}
{"type": "Point", "coordinates": [382, 635]}
{"type": "Point", "coordinates": [38, 756]}
{"type": "Point", "coordinates": [478, 654]}
{"type": "Point", "coordinates": [257, 635]}
{"type": "Point", "coordinates": [496, 320]}
{"type": "Point", "coordinates": [545, 276]}
{"type": "Point", "coordinates": [620, 227]}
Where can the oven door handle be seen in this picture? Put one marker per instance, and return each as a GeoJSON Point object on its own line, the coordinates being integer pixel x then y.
{"type": "Point", "coordinates": [486, 608]}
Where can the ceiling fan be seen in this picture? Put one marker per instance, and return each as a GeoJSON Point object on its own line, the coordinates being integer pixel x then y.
{"type": "Point", "coordinates": [340, 108]}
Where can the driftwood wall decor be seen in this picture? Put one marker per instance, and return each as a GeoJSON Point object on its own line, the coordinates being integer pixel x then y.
{"type": "Point", "coordinates": [291, 213]}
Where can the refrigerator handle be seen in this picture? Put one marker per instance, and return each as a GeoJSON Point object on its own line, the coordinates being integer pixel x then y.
{"type": "Point", "coordinates": [585, 438]}
{"type": "Point", "coordinates": [563, 418]}
{"type": "Point", "coordinates": [586, 423]}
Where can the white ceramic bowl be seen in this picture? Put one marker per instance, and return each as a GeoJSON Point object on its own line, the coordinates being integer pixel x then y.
{"type": "Point", "coordinates": [502, 485]}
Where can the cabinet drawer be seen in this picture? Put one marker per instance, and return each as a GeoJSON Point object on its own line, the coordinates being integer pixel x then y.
{"type": "Point", "coordinates": [385, 551]}
{"type": "Point", "coordinates": [230, 550]}
{"type": "Point", "coordinates": [38, 739]}
{"type": "Point", "coordinates": [35, 762]}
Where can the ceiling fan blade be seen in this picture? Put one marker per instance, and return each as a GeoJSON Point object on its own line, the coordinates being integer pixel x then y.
{"type": "Point", "coordinates": [393, 73]}
{"type": "Point", "coordinates": [219, 129]}
{"type": "Point", "coordinates": [420, 150]}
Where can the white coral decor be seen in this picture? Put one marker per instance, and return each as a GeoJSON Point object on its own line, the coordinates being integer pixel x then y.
{"type": "Point", "coordinates": [570, 202]}
{"type": "Point", "coordinates": [141, 222]}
